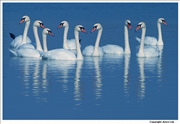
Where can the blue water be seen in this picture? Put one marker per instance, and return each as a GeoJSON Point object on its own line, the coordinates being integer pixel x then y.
{"type": "Point", "coordinates": [109, 87]}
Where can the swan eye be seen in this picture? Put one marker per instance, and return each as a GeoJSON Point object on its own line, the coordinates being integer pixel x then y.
{"type": "Point", "coordinates": [61, 24]}
{"type": "Point", "coordinates": [95, 27]}
{"type": "Point", "coordinates": [23, 18]}
{"type": "Point", "coordinates": [82, 28]}
{"type": "Point", "coordinates": [139, 25]}
{"type": "Point", "coordinates": [129, 23]}
{"type": "Point", "coordinates": [40, 23]}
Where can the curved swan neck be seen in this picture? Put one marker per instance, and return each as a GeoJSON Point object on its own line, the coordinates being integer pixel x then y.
{"type": "Point", "coordinates": [44, 42]}
{"type": "Point", "coordinates": [96, 46]}
{"type": "Point", "coordinates": [65, 45]}
{"type": "Point", "coordinates": [38, 43]}
{"type": "Point", "coordinates": [25, 32]}
{"type": "Point", "coordinates": [160, 40]}
{"type": "Point", "coordinates": [126, 38]}
{"type": "Point", "coordinates": [141, 49]}
{"type": "Point", "coordinates": [78, 50]}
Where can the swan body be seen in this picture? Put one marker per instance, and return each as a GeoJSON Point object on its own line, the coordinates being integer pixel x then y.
{"type": "Point", "coordinates": [145, 51]}
{"type": "Point", "coordinates": [63, 54]}
{"type": "Point", "coordinates": [115, 49]}
{"type": "Point", "coordinates": [67, 43]}
{"type": "Point", "coordinates": [21, 39]}
{"type": "Point", "coordinates": [152, 40]}
{"type": "Point", "coordinates": [31, 52]}
{"type": "Point", "coordinates": [95, 50]}
{"type": "Point", "coordinates": [89, 50]}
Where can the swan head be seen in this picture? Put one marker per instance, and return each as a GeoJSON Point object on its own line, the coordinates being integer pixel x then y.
{"type": "Point", "coordinates": [38, 23]}
{"type": "Point", "coordinates": [63, 24]}
{"type": "Point", "coordinates": [24, 19]}
{"type": "Point", "coordinates": [162, 21]}
{"type": "Point", "coordinates": [47, 31]}
{"type": "Point", "coordinates": [140, 25]}
{"type": "Point", "coordinates": [80, 28]}
{"type": "Point", "coordinates": [128, 24]}
{"type": "Point", "coordinates": [96, 26]}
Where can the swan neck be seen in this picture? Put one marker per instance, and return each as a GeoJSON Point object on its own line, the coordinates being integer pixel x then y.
{"type": "Point", "coordinates": [38, 43]}
{"type": "Point", "coordinates": [141, 49]}
{"type": "Point", "coordinates": [126, 38]}
{"type": "Point", "coordinates": [44, 42]}
{"type": "Point", "coordinates": [96, 46]}
{"type": "Point", "coordinates": [65, 45]}
{"type": "Point", "coordinates": [24, 40]}
{"type": "Point", "coordinates": [160, 41]}
{"type": "Point", "coordinates": [78, 50]}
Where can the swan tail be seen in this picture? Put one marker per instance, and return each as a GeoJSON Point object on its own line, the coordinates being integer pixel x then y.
{"type": "Point", "coordinates": [13, 52]}
{"type": "Point", "coordinates": [12, 35]}
{"type": "Point", "coordinates": [138, 39]}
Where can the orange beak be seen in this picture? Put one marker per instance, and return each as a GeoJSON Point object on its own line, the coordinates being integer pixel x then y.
{"type": "Point", "coordinates": [164, 23]}
{"type": "Point", "coordinates": [60, 26]}
{"type": "Point", "coordinates": [22, 21]}
{"type": "Point", "coordinates": [83, 30]}
{"type": "Point", "coordinates": [138, 27]}
{"type": "Point", "coordinates": [42, 26]}
{"type": "Point", "coordinates": [129, 27]}
{"type": "Point", "coordinates": [93, 30]}
{"type": "Point", "coordinates": [51, 34]}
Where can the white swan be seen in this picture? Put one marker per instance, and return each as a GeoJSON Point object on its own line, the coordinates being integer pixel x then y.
{"type": "Point", "coordinates": [67, 43]}
{"type": "Point", "coordinates": [145, 51]}
{"type": "Point", "coordinates": [95, 50]}
{"type": "Point", "coordinates": [36, 24]}
{"type": "Point", "coordinates": [31, 52]}
{"type": "Point", "coordinates": [152, 40]}
{"type": "Point", "coordinates": [63, 54]}
{"type": "Point", "coordinates": [21, 39]}
{"type": "Point", "coordinates": [115, 49]}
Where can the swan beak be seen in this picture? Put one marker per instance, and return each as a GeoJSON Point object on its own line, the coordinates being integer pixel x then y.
{"type": "Point", "coordinates": [164, 23]}
{"type": "Point", "coordinates": [22, 21]}
{"type": "Point", "coordinates": [93, 30]}
{"type": "Point", "coordinates": [129, 27]}
{"type": "Point", "coordinates": [60, 26]}
{"type": "Point", "coordinates": [138, 27]}
{"type": "Point", "coordinates": [42, 26]}
{"type": "Point", "coordinates": [51, 34]}
{"type": "Point", "coordinates": [84, 31]}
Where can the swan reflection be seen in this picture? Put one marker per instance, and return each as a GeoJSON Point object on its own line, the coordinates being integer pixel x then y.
{"type": "Point", "coordinates": [77, 84]}
{"type": "Point", "coordinates": [31, 74]}
{"type": "Point", "coordinates": [93, 64]}
{"type": "Point", "coordinates": [152, 67]}
{"type": "Point", "coordinates": [61, 71]}
{"type": "Point", "coordinates": [126, 74]}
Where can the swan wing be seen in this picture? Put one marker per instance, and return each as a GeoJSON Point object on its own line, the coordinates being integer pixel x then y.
{"type": "Point", "coordinates": [17, 42]}
{"type": "Point", "coordinates": [112, 49]}
{"type": "Point", "coordinates": [151, 51]}
{"type": "Point", "coordinates": [59, 54]}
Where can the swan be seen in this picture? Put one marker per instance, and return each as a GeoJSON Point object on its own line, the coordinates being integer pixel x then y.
{"type": "Point", "coordinates": [95, 50]}
{"type": "Point", "coordinates": [145, 51]}
{"type": "Point", "coordinates": [67, 43]}
{"type": "Point", "coordinates": [31, 52]}
{"type": "Point", "coordinates": [115, 49]}
{"type": "Point", "coordinates": [152, 40]}
{"type": "Point", "coordinates": [36, 24]}
{"type": "Point", "coordinates": [21, 39]}
{"type": "Point", "coordinates": [63, 54]}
